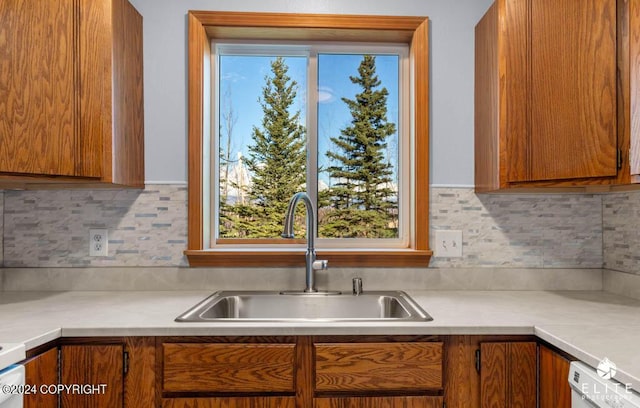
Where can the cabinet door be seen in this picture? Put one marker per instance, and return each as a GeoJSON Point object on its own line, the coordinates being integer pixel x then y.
{"type": "Point", "coordinates": [631, 30]}
{"type": "Point", "coordinates": [37, 99]}
{"type": "Point", "coordinates": [95, 67]}
{"type": "Point", "coordinates": [230, 402]}
{"type": "Point", "coordinates": [571, 76]}
{"type": "Point", "coordinates": [97, 366]}
{"type": "Point", "coordinates": [378, 402]}
{"type": "Point", "coordinates": [508, 375]}
{"type": "Point", "coordinates": [554, 387]}
{"type": "Point", "coordinates": [39, 371]}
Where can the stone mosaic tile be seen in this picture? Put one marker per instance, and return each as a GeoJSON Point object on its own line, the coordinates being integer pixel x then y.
{"type": "Point", "coordinates": [51, 228]}
{"type": "Point", "coordinates": [148, 228]}
{"type": "Point", "coordinates": [509, 230]}
{"type": "Point", "coordinates": [621, 231]}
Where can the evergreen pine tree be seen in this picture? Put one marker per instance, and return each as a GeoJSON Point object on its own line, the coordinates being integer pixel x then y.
{"type": "Point", "coordinates": [277, 157]}
{"type": "Point", "coordinates": [363, 205]}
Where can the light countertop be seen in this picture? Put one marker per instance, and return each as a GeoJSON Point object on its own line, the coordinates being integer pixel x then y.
{"type": "Point", "coordinates": [587, 325]}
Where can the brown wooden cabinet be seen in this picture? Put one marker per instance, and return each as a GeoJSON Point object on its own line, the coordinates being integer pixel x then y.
{"type": "Point", "coordinates": [41, 370]}
{"type": "Point", "coordinates": [546, 97]}
{"type": "Point", "coordinates": [490, 371]}
{"type": "Point", "coordinates": [628, 31]}
{"type": "Point", "coordinates": [228, 372]}
{"type": "Point", "coordinates": [508, 372]}
{"type": "Point", "coordinates": [230, 402]}
{"type": "Point", "coordinates": [306, 371]}
{"type": "Point", "coordinates": [71, 92]}
{"type": "Point", "coordinates": [378, 402]}
{"type": "Point", "coordinates": [96, 372]}
{"type": "Point", "coordinates": [237, 367]}
{"type": "Point", "coordinates": [554, 390]}
{"type": "Point", "coordinates": [302, 371]}
{"type": "Point", "coordinates": [389, 366]}
{"type": "Point", "coordinates": [99, 366]}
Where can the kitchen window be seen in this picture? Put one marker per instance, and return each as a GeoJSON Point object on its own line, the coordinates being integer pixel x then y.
{"type": "Point", "coordinates": [315, 96]}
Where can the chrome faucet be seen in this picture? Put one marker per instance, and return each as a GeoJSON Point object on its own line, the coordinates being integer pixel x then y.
{"type": "Point", "coordinates": [311, 263]}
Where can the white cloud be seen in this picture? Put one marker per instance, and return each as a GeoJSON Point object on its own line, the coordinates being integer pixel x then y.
{"type": "Point", "coordinates": [325, 94]}
{"type": "Point", "coordinates": [233, 77]}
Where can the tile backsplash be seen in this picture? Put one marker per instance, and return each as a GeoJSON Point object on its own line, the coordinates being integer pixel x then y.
{"type": "Point", "coordinates": [523, 230]}
{"type": "Point", "coordinates": [148, 228]}
{"type": "Point", "coordinates": [51, 228]}
{"type": "Point", "coordinates": [621, 231]}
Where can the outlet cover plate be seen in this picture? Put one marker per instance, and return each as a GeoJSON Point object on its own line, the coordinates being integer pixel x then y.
{"type": "Point", "coordinates": [98, 242]}
{"type": "Point", "coordinates": [448, 244]}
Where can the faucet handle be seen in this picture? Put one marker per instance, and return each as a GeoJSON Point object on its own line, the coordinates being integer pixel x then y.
{"type": "Point", "coordinates": [357, 286]}
{"type": "Point", "coordinates": [320, 264]}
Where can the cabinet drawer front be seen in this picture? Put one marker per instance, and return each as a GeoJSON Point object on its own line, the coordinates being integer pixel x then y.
{"type": "Point", "coordinates": [228, 367]}
{"type": "Point", "coordinates": [378, 402]}
{"type": "Point", "coordinates": [378, 366]}
{"type": "Point", "coordinates": [230, 402]}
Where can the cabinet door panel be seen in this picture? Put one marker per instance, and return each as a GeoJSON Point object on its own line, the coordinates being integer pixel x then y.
{"type": "Point", "coordinates": [508, 375]}
{"type": "Point", "coordinates": [378, 402]}
{"type": "Point", "coordinates": [95, 32]}
{"type": "Point", "coordinates": [42, 370]}
{"type": "Point", "coordinates": [228, 367]}
{"type": "Point", "coordinates": [573, 125]}
{"type": "Point", "coordinates": [230, 402]}
{"type": "Point", "coordinates": [37, 99]}
{"type": "Point", "coordinates": [140, 380]}
{"type": "Point", "coordinates": [634, 84]}
{"type": "Point", "coordinates": [378, 366]}
{"type": "Point", "coordinates": [514, 93]}
{"type": "Point", "coordinates": [554, 388]}
{"type": "Point", "coordinates": [93, 365]}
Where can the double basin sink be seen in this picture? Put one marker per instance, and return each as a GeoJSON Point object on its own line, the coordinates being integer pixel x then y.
{"type": "Point", "coordinates": [261, 306]}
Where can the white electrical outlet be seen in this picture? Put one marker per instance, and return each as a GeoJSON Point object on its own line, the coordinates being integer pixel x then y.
{"type": "Point", "coordinates": [448, 244]}
{"type": "Point", "coordinates": [98, 242]}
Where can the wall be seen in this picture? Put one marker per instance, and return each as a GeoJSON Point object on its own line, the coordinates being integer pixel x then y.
{"type": "Point", "coordinates": [451, 75]}
{"type": "Point", "coordinates": [147, 228]}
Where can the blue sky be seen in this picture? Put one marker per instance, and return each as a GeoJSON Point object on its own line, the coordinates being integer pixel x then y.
{"type": "Point", "coordinates": [243, 77]}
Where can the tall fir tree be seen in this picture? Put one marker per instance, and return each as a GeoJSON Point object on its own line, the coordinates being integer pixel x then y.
{"type": "Point", "coordinates": [363, 204]}
{"type": "Point", "coordinates": [277, 157]}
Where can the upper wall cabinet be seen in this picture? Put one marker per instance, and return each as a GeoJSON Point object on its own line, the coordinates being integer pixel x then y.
{"type": "Point", "coordinates": [552, 94]}
{"type": "Point", "coordinates": [71, 97]}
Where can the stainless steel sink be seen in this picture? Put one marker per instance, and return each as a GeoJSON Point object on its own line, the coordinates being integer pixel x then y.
{"type": "Point", "coordinates": [228, 306]}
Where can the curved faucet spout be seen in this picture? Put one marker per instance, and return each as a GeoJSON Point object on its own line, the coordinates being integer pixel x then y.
{"type": "Point", "coordinates": [290, 216]}
{"type": "Point", "coordinates": [310, 257]}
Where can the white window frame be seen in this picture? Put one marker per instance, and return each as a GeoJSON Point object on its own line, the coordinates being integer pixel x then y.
{"type": "Point", "coordinates": [311, 50]}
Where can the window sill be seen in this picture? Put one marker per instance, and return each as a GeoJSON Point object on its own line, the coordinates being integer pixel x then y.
{"type": "Point", "coordinates": [279, 258]}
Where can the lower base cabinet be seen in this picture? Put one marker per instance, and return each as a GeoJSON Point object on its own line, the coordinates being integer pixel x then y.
{"type": "Point", "coordinates": [303, 372]}
{"type": "Point", "coordinates": [378, 402]}
{"type": "Point", "coordinates": [103, 372]}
